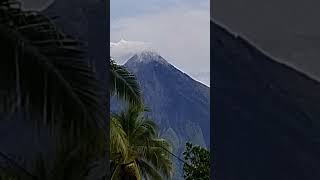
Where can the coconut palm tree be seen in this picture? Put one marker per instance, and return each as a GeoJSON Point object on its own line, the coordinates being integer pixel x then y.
{"type": "Point", "coordinates": [46, 76]}
{"type": "Point", "coordinates": [136, 149]}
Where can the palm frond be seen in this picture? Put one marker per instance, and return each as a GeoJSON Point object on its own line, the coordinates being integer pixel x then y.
{"type": "Point", "coordinates": [119, 144]}
{"type": "Point", "coordinates": [156, 151]}
{"type": "Point", "coordinates": [124, 84]}
{"type": "Point", "coordinates": [116, 173]}
{"type": "Point", "coordinates": [46, 73]}
{"type": "Point", "coordinates": [144, 143]}
{"type": "Point", "coordinates": [148, 171]}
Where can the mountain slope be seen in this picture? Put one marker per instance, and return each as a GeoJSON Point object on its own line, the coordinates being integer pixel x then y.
{"type": "Point", "coordinates": [286, 29]}
{"type": "Point", "coordinates": [266, 114]}
{"type": "Point", "coordinates": [176, 101]}
{"type": "Point", "coordinates": [179, 104]}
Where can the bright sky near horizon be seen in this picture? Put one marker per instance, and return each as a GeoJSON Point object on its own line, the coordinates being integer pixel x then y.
{"type": "Point", "coordinates": [177, 29]}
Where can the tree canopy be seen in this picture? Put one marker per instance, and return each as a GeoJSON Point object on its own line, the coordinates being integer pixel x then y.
{"type": "Point", "coordinates": [197, 163]}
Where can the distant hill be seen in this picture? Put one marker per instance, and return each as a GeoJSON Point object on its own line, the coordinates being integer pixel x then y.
{"type": "Point", "coordinates": [266, 114]}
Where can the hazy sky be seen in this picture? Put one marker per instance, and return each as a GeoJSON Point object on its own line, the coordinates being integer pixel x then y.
{"type": "Point", "coordinates": [178, 29]}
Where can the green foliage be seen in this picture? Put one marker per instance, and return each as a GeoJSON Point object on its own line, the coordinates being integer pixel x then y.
{"type": "Point", "coordinates": [136, 148]}
{"type": "Point", "coordinates": [197, 166]}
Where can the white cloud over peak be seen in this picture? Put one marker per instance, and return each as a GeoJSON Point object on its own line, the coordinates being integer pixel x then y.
{"type": "Point", "coordinates": [122, 50]}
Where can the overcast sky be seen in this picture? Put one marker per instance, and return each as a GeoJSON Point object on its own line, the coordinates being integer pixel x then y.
{"type": "Point", "coordinates": [177, 29]}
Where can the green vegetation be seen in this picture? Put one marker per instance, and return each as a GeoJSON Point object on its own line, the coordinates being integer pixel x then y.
{"type": "Point", "coordinates": [142, 152]}
{"type": "Point", "coordinates": [197, 165]}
